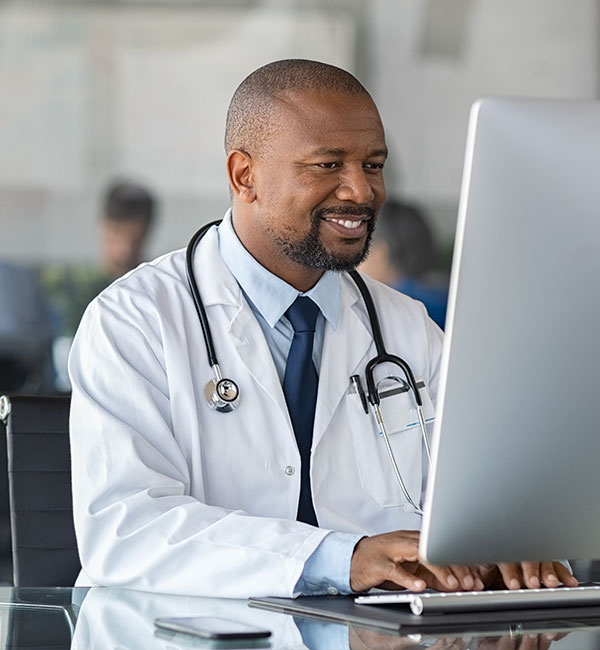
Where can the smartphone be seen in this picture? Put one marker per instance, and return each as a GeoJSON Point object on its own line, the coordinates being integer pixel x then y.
{"type": "Point", "coordinates": [216, 629]}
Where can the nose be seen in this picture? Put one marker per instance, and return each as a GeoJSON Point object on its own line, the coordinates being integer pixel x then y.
{"type": "Point", "coordinates": [356, 185]}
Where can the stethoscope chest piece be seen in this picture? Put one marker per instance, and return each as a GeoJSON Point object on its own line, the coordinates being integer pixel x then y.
{"type": "Point", "coordinates": [223, 395]}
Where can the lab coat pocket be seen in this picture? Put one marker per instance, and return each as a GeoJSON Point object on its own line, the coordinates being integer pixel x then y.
{"type": "Point", "coordinates": [375, 468]}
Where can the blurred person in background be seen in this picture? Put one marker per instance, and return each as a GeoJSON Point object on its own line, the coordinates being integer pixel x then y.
{"type": "Point", "coordinates": [404, 255]}
{"type": "Point", "coordinates": [128, 213]}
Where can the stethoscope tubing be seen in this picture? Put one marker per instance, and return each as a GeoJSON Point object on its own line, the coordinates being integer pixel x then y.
{"type": "Point", "coordinates": [189, 271]}
{"type": "Point", "coordinates": [382, 356]}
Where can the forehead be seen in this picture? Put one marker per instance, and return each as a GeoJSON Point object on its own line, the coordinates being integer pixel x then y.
{"type": "Point", "coordinates": [327, 119]}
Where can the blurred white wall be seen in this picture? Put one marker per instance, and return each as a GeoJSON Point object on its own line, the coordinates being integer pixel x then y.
{"type": "Point", "coordinates": [140, 89]}
{"type": "Point", "coordinates": [431, 60]}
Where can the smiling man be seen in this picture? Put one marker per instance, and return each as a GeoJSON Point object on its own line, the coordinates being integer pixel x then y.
{"type": "Point", "coordinates": [319, 169]}
{"type": "Point", "coordinates": [292, 491]}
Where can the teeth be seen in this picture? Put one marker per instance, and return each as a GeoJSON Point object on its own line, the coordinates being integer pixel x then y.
{"type": "Point", "coordinates": [347, 223]}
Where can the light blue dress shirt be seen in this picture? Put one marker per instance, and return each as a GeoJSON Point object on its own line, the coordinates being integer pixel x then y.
{"type": "Point", "coordinates": [328, 568]}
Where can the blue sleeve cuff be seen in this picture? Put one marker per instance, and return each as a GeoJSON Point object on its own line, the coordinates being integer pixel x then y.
{"type": "Point", "coordinates": [327, 570]}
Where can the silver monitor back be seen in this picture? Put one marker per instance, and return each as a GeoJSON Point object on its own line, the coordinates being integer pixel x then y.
{"type": "Point", "coordinates": [516, 459]}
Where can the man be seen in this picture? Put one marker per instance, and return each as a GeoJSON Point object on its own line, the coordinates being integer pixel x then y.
{"type": "Point", "coordinates": [128, 212]}
{"type": "Point", "coordinates": [173, 496]}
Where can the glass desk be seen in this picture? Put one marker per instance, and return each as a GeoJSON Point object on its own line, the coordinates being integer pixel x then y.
{"type": "Point", "coordinates": [111, 619]}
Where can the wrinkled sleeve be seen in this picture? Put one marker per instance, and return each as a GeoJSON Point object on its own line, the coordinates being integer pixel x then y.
{"type": "Point", "coordinates": [327, 570]}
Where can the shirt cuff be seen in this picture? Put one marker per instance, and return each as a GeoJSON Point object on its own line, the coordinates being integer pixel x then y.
{"type": "Point", "coordinates": [327, 570]}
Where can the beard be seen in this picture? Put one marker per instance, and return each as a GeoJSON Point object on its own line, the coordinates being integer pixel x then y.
{"type": "Point", "coordinates": [310, 251]}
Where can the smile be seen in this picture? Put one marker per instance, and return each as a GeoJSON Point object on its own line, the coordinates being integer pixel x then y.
{"type": "Point", "coordinates": [353, 228]}
{"type": "Point", "coordinates": [347, 223]}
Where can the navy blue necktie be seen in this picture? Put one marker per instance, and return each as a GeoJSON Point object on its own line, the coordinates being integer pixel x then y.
{"type": "Point", "coordinates": [300, 388]}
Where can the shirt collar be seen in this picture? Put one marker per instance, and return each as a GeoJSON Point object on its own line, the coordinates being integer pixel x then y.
{"type": "Point", "coordinates": [271, 295]}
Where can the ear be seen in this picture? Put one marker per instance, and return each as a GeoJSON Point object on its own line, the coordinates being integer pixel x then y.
{"type": "Point", "coordinates": [240, 174]}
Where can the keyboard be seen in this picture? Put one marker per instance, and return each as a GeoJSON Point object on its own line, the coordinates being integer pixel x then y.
{"type": "Point", "coordinates": [435, 602]}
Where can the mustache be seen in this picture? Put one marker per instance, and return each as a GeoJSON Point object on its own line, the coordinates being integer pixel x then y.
{"type": "Point", "coordinates": [344, 210]}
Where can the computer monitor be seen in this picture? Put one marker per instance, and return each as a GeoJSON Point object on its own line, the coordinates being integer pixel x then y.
{"type": "Point", "coordinates": [516, 452]}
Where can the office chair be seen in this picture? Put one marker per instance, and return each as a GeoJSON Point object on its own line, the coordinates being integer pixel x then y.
{"type": "Point", "coordinates": [44, 548]}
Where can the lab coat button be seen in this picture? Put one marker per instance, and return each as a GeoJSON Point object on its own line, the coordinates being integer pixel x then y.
{"type": "Point", "coordinates": [332, 591]}
{"type": "Point", "coordinates": [289, 470]}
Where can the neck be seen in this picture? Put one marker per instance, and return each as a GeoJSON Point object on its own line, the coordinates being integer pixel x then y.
{"type": "Point", "coordinates": [304, 280]}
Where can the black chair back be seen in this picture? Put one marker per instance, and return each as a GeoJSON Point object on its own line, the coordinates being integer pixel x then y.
{"type": "Point", "coordinates": [44, 548]}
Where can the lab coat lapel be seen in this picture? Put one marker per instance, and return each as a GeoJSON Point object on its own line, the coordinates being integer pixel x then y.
{"type": "Point", "coordinates": [251, 345]}
{"type": "Point", "coordinates": [345, 353]}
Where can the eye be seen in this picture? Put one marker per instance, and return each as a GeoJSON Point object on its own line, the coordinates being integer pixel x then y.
{"type": "Point", "coordinates": [328, 165]}
{"type": "Point", "coordinates": [374, 167]}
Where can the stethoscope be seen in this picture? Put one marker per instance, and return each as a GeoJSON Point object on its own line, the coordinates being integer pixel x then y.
{"type": "Point", "coordinates": [223, 394]}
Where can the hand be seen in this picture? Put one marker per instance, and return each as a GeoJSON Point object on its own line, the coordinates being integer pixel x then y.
{"type": "Point", "coordinates": [391, 561]}
{"type": "Point", "coordinates": [528, 575]}
{"type": "Point", "coordinates": [520, 642]}
{"type": "Point", "coordinates": [360, 639]}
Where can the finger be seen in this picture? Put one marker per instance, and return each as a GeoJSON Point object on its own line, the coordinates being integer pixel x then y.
{"type": "Point", "coordinates": [562, 573]}
{"type": "Point", "coordinates": [546, 640]}
{"type": "Point", "coordinates": [449, 644]}
{"type": "Point", "coordinates": [488, 644]}
{"type": "Point", "coordinates": [565, 575]}
{"type": "Point", "coordinates": [502, 643]}
{"type": "Point", "coordinates": [479, 582]}
{"type": "Point", "coordinates": [464, 576]}
{"type": "Point", "coordinates": [445, 579]}
{"type": "Point", "coordinates": [531, 574]}
{"type": "Point", "coordinates": [433, 582]}
{"type": "Point", "coordinates": [548, 574]}
{"type": "Point", "coordinates": [443, 644]}
{"type": "Point", "coordinates": [529, 642]}
{"type": "Point", "coordinates": [489, 575]}
{"type": "Point", "coordinates": [468, 578]}
{"type": "Point", "coordinates": [404, 578]}
{"type": "Point", "coordinates": [440, 579]}
{"type": "Point", "coordinates": [511, 575]}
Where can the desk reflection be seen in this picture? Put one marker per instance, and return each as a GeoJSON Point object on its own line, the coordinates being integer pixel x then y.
{"type": "Point", "coordinates": [360, 639]}
{"type": "Point", "coordinates": [124, 620]}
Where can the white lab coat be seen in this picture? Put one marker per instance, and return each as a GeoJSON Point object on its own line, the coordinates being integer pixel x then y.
{"type": "Point", "coordinates": [172, 496]}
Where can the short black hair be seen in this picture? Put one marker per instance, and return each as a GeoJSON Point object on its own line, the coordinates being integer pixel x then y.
{"type": "Point", "coordinates": [405, 229]}
{"type": "Point", "coordinates": [250, 110]}
{"type": "Point", "coordinates": [126, 201]}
